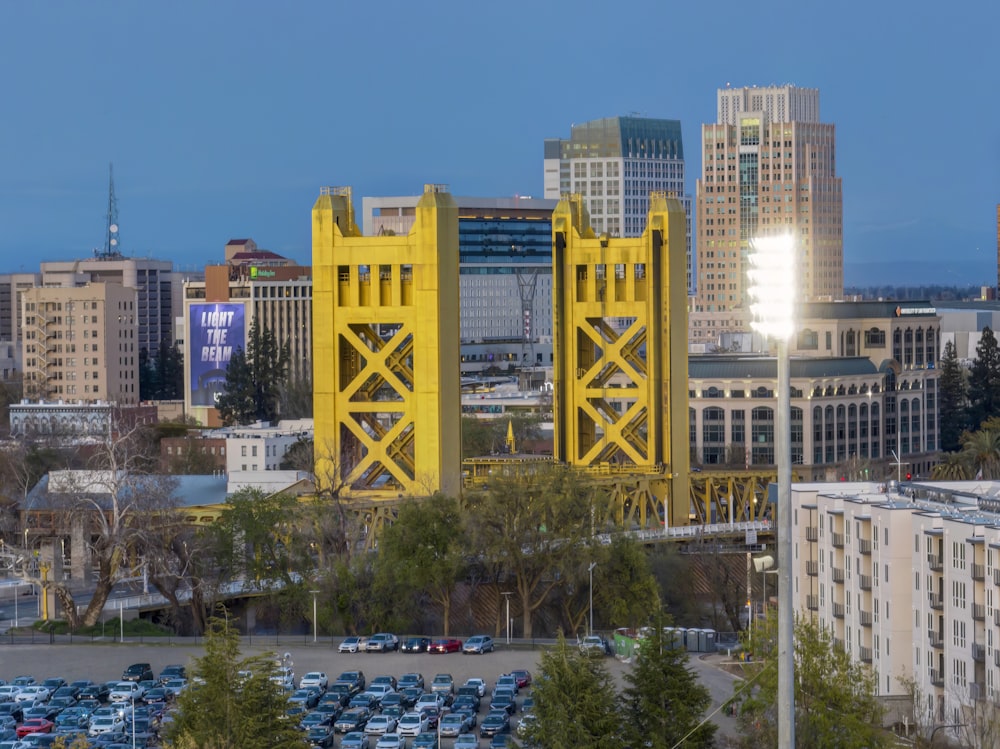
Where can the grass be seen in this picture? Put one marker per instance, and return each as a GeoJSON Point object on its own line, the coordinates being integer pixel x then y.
{"type": "Point", "coordinates": [113, 627]}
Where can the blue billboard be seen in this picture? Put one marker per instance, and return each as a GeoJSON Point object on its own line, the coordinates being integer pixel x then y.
{"type": "Point", "coordinates": [215, 332]}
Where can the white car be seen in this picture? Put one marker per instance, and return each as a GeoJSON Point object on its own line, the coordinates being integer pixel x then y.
{"type": "Point", "coordinates": [379, 691]}
{"type": "Point", "coordinates": [314, 679]}
{"type": "Point", "coordinates": [380, 724]}
{"type": "Point", "coordinates": [411, 724]}
{"type": "Point", "coordinates": [33, 695]}
{"type": "Point", "coordinates": [106, 724]}
{"type": "Point", "coordinates": [391, 741]}
{"type": "Point", "coordinates": [9, 692]}
{"type": "Point", "coordinates": [479, 684]}
{"type": "Point", "coordinates": [352, 645]}
{"type": "Point", "coordinates": [127, 691]}
{"type": "Point", "coordinates": [433, 700]}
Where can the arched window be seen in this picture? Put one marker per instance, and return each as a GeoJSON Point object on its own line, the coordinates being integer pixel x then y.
{"type": "Point", "coordinates": [713, 432]}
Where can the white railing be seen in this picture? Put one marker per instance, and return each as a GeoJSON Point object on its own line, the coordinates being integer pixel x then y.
{"type": "Point", "coordinates": [693, 531]}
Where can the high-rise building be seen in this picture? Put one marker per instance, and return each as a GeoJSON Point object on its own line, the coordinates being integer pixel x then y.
{"type": "Point", "coordinates": [768, 167]}
{"type": "Point", "coordinates": [505, 275]}
{"type": "Point", "coordinates": [157, 286]}
{"type": "Point", "coordinates": [614, 164]}
{"type": "Point", "coordinates": [80, 344]}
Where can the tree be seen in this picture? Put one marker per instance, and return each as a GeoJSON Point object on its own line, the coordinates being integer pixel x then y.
{"type": "Point", "coordinates": [981, 450]}
{"type": "Point", "coordinates": [984, 380]}
{"type": "Point", "coordinates": [533, 526]}
{"type": "Point", "coordinates": [254, 379]}
{"type": "Point", "coordinates": [836, 703]}
{"type": "Point", "coordinates": [232, 702]}
{"type": "Point", "coordinates": [424, 550]}
{"type": "Point", "coordinates": [161, 378]}
{"type": "Point", "coordinates": [297, 398]}
{"type": "Point", "coordinates": [664, 703]}
{"type": "Point", "coordinates": [953, 399]}
{"type": "Point", "coordinates": [575, 702]}
{"type": "Point", "coordinates": [117, 505]}
{"type": "Point", "coordinates": [953, 467]}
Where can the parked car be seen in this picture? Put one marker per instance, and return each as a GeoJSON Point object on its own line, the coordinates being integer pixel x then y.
{"type": "Point", "coordinates": [391, 741]}
{"type": "Point", "coordinates": [355, 740]}
{"type": "Point", "coordinates": [469, 701]}
{"type": "Point", "coordinates": [99, 692]}
{"type": "Point", "coordinates": [382, 642]}
{"type": "Point", "coordinates": [35, 725]}
{"type": "Point", "coordinates": [384, 679]}
{"type": "Point", "coordinates": [353, 719]}
{"type": "Point", "coordinates": [416, 645]}
{"type": "Point", "coordinates": [175, 687]}
{"type": "Point", "coordinates": [453, 724]}
{"type": "Point", "coordinates": [479, 684]}
{"type": "Point", "coordinates": [351, 645]}
{"type": "Point", "coordinates": [444, 683]}
{"type": "Point", "coordinates": [320, 736]}
{"type": "Point", "coordinates": [106, 724]}
{"type": "Point", "coordinates": [426, 740]}
{"type": "Point", "coordinates": [446, 645]}
{"type": "Point", "coordinates": [412, 723]}
{"type": "Point", "coordinates": [498, 721]}
{"type": "Point", "coordinates": [138, 672]}
{"type": "Point", "coordinates": [127, 691]}
{"type": "Point", "coordinates": [500, 741]}
{"type": "Point", "coordinates": [32, 695]}
{"type": "Point", "coordinates": [507, 681]}
{"type": "Point", "coordinates": [8, 692]}
{"type": "Point", "coordinates": [380, 724]}
{"type": "Point", "coordinates": [173, 671]}
{"type": "Point", "coordinates": [478, 644]}
{"type": "Point", "coordinates": [467, 741]}
{"type": "Point", "coordinates": [593, 645]}
{"type": "Point", "coordinates": [523, 677]}
{"type": "Point", "coordinates": [316, 679]}
{"type": "Point", "coordinates": [353, 679]}
{"type": "Point", "coordinates": [307, 698]}
{"type": "Point", "coordinates": [410, 680]}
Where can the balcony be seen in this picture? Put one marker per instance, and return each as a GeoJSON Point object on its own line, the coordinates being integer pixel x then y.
{"type": "Point", "coordinates": [812, 603]}
{"type": "Point", "coordinates": [865, 546]}
{"type": "Point", "coordinates": [937, 678]}
{"type": "Point", "coordinates": [865, 654]}
{"type": "Point", "coordinates": [979, 612]}
{"type": "Point", "coordinates": [996, 617]}
{"type": "Point", "coordinates": [978, 652]}
{"type": "Point", "coordinates": [812, 569]}
{"type": "Point", "coordinates": [977, 691]}
{"type": "Point", "coordinates": [837, 573]}
{"type": "Point", "coordinates": [838, 610]}
{"type": "Point", "coordinates": [866, 618]}
{"type": "Point", "coordinates": [996, 657]}
{"type": "Point", "coordinates": [812, 533]}
{"type": "Point", "coordinates": [865, 582]}
{"type": "Point", "coordinates": [838, 540]}
{"type": "Point", "coordinates": [838, 644]}
{"type": "Point", "coordinates": [978, 571]}
{"type": "Point", "coordinates": [936, 638]}
{"type": "Point", "coordinates": [935, 562]}
{"type": "Point", "coordinates": [936, 601]}
{"type": "Point", "coordinates": [996, 576]}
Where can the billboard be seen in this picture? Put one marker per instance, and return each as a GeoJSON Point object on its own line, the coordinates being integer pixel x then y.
{"type": "Point", "coordinates": [215, 332]}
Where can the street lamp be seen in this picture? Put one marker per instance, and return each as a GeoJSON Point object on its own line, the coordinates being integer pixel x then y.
{"type": "Point", "coordinates": [764, 566]}
{"type": "Point", "coordinates": [772, 289]}
{"type": "Point", "coordinates": [590, 569]}
{"type": "Point", "coordinates": [506, 595]}
{"type": "Point", "coordinates": [314, 594]}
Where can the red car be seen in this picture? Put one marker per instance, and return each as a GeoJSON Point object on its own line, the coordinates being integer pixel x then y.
{"type": "Point", "coordinates": [523, 677]}
{"type": "Point", "coordinates": [35, 725]}
{"type": "Point", "coordinates": [446, 645]}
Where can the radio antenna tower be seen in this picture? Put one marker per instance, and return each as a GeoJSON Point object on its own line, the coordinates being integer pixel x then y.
{"type": "Point", "coordinates": [111, 249]}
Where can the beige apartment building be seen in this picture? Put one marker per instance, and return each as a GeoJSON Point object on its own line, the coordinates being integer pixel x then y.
{"type": "Point", "coordinates": [768, 167]}
{"type": "Point", "coordinates": [907, 578]}
{"type": "Point", "coordinates": [80, 343]}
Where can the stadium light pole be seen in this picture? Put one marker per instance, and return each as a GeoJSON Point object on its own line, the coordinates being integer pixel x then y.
{"type": "Point", "coordinates": [772, 290]}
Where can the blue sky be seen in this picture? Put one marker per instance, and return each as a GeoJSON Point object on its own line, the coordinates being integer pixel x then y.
{"type": "Point", "coordinates": [223, 119]}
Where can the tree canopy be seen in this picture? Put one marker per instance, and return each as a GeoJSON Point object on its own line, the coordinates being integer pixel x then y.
{"type": "Point", "coordinates": [255, 379]}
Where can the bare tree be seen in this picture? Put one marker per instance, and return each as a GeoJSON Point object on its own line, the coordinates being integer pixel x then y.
{"type": "Point", "coordinates": [118, 506]}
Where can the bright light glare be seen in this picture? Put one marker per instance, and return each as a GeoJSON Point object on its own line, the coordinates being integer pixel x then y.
{"type": "Point", "coordinates": [772, 285]}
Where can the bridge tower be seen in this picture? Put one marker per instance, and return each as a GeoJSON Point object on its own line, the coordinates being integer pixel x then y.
{"type": "Point", "coordinates": [620, 309]}
{"type": "Point", "coordinates": [386, 384]}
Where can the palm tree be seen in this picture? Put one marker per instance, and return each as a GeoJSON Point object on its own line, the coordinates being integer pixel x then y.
{"type": "Point", "coordinates": [982, 450]}
{"type": "Point", "coordinates": [954, 467]}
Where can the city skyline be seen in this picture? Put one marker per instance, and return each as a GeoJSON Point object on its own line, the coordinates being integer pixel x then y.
{"type": "Point", "coordinates": [224, 121]}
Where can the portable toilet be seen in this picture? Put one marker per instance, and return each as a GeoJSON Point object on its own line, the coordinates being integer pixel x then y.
{"type": "Point", "coordinates": [691, 639]}
{"type": "Point", "coordinates": [706, 641]}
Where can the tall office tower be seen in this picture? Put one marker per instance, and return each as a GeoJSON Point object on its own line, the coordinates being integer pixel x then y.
{"type": "Point", "coordinates": [505, 276]}
{"type": "Point", "coordinates": [768, 167]}
{"type": "Point", "coordinates": [614, 163]}
{"type": "Point", "coordinates": [80, 343]}
{"type": "Point", "coordinates": [154, 280]}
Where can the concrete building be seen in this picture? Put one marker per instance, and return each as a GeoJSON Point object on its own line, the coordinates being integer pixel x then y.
{"type": "Point", "coordinates": [905, 577]}
{"type": "Point", "coordinates": [217, 314]}
{"type": "Point", "coordinates": [505, 276]}
{"type": "Point", "coordinates": [80, 343]}
{"type": "Point", "coordinates": [260, 447]}
{"type": "Point", "coordinates": [768, 167]}
{"type": "Point", "coordinates": [76, 419]}
{"type": "Point", "coordinates": [614, 164]}
{"type": "Point", "coordinates": [157, 290]}
{"type": "Point", "coordinates": [12, 286]}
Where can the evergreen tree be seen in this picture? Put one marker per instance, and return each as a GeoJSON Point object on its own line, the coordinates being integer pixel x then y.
{"type": "Point", "coordinates": [664, 703]}
{"type": "Point", "coordinates": [984, 380]}
{"type": "Point", "coordinates": [232, 702]}
{"type": "Point", "coordinates": [953, 399]}
{"type": "Point", "coordinates": [255, 378]}
{"type": "Point", "coordinates": [575, 703]}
